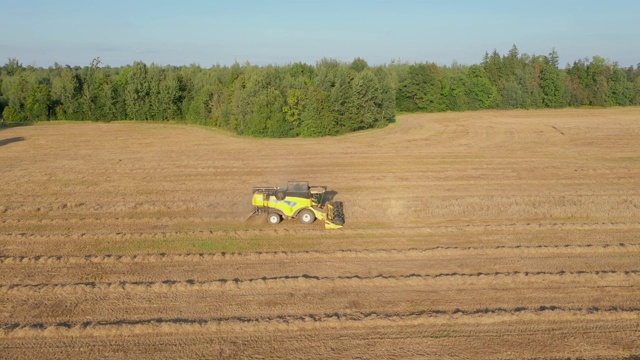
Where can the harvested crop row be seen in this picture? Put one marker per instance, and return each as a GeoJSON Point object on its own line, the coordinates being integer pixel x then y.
{"type": "Point", "coordinates": [366, 263]}
{"type": "Point", "coordinates": [326, 317]}
{"type": "Point", "coordinates": [298, 296]}
{"type": "Point", "coordinates": [484, 333]}
{"type": "Point", "coordinates": [40, 288]}
{"type": "Point", "coordinates": [469, 250]}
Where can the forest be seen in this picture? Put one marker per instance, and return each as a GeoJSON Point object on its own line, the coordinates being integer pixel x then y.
{"type": "Point", "coordinates": [328, 98]}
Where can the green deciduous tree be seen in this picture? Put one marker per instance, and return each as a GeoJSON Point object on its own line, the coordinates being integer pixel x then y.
{"type": "Point", "coordinates": [636, 88]}
{"type": "Point", "coordinates": [12, 67]}
{"type": "Point", "coordinates": [292, 108]}
{"type": "Point", "coordinates": [597, 74]}
{"type": "Point", "coordinates": [316, 119]}
{"type": "Point", "coordinates": [38, 103]}
{"type": "Point", "coordinates": [15, 90]}
{"type": "Point", "coordinates": [422, 89]}
{"type": "Point", "coordinates": [138, 92]}
{"type": "Point", "coordinates": [358, 65]}
{"type": "Point", "coordinates": [622, 92]}
{"type": "Point", "coordinates": [65, 92]}
{"type": "Point", "coordinates": [454, 88]}
{"type": "Point", "coordinates": [577, 83]}
{"type": "Point", "coordinates": [480, 91]}
{"type": "Point", "coordinates": [164, 94]}
{"type": "Point", "coordinates": [343, 105]}
{"type": "Point", "coordinates": [91, 80]}
{"type": "Point", "coordinates": [386, 98]}
{"type": "Point", "coordinates": [367, 99]}
{"type": "Point", "coordinates": [551, 86]}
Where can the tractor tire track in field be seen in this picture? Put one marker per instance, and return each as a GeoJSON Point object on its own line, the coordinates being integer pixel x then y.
{"type": "Point", "coordinates": [182, 285]}
{"type": "Point", "coordinates": [7, 328]}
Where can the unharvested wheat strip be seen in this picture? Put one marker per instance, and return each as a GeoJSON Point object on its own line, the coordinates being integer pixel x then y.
{"type": "Point", "coordinates": [302, 296]}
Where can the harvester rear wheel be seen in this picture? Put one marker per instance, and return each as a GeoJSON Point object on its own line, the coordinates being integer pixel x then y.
{"type": "Point", "coordinates": [274, 218]}
{"type": "Point", "coordinates": [306, 216]}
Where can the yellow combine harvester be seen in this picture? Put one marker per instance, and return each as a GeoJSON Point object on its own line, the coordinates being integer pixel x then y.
{"type": "Point", "coordinates": [298, 201]}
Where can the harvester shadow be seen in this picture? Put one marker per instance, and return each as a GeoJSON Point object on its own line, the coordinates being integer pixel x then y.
{"type": "Point", "coordinates": [11, 140]}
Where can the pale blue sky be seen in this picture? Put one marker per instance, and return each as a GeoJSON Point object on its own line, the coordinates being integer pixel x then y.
{"type": "Point", "coordinates": [41, 32]}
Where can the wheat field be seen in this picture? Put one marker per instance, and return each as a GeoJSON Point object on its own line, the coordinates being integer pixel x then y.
{"type": "Point", "coordinates": [492, 234]}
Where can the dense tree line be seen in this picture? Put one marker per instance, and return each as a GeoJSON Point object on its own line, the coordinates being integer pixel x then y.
{"type": "Point", "coordinates": [273, 101]}
{"type": "Point", "coordinates": [515, 81]}
{"type": "Point", "coordinates": [327, 98]}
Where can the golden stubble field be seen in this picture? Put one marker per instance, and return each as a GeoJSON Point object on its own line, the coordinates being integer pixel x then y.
{"type": "Point", "coordinates": [511, 234]}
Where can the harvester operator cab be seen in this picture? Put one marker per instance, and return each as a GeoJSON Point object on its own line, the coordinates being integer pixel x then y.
{"type": "Point", "coordinates": [317, 199]}
{"type": "Point", "coordinates": [318, 195]}
{"type": "Point", "coordinates": [298, 189]}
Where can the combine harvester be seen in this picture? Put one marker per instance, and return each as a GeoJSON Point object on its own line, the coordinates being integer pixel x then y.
{"type": "Point", "coordinates": [298, 201]}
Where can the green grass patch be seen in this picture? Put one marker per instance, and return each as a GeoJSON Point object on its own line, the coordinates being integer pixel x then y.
{"type": "Point", "coordinates": [441, 335]}
{"type": "Point", "coordinates": [629, 159]}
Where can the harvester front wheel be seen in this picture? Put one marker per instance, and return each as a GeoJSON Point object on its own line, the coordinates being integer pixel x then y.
{"type": "Point", "coordinates": [274, 218]}
{"type": "Point", "coordinates": [306, 216]}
